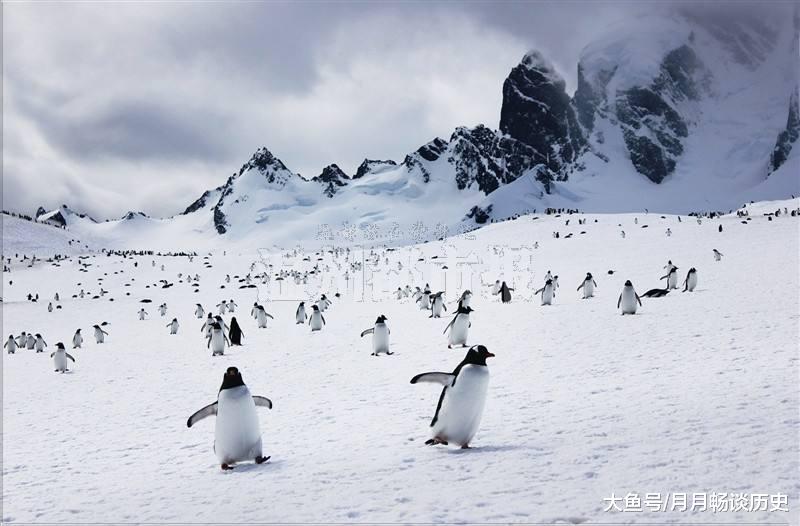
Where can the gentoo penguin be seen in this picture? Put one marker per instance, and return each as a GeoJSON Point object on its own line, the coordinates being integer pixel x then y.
{"type": "Point", "coordinates": [222, 323]}
{"type": "Point", "coordinates": [77, 340]}
{"type": "Point", "coordinates": [235, 332]}
{"type": "Point", "coordinates": [99, 334]}
{"type": "Point", "coordinates": [232, 306]}
{"type": "Point", "coordinates": [465, 298]}
{"type": "Point", "coordinates": [459, 328]}
{"type": "Point", "coordinates": [142, 314]}
{"type": "Point", "coordinates": [60, 357]}
{"type": "Point", "coordinates": [496, 288]}
{"type": "Point", "coordinates": [50, 307]}
{"type": "Point", "coordinates": [399, 293]}
{"type": "Point", "coordinates": [237, 435]}
{"type": "Point", "coordinates": [424, 299]}
{"type": "Point", "coordinates": [672, 278]}
{"type": "Point", "coordinates": [261, 317]}
{"type": "Point", "coordinates": [505, 293]}
{"type": "Point", "coordinates": [39, 343]}
{"type": "Point", "coordinates": [173, 326]}
{"type": "Point", "coordinates": [199, 312]}
{"type": "Point", "coordinates": [30, 343]}
{"type": "Point", "coordinates": [437, 305]}
{"type": "Point", "coordinates": [588, 286]}
{"type": "Point", "coordinates": [162, 309]}
{"type": "Point", "coordinates": [458, 413]}
{"type": "Point", "coordinates": [217, 340]}
{"type": "Point", "coordinates": [628, 299]}
{"type": "Point", "coordinates": [655, 293]}
{"type": "Point", "coordinates": [207, 325]}
{"type": "Point", "coordinates": [223, 307]}
{"type": "Point", "coordinates": [11, 344]}
{"type": "Point", "coordinates": [254, 309]}
{"type": "Point", "coordinates": [380, 336]}
{"type": "Point", "coordinates": [717, 255]}
{"type": "Point", "coordinates": [547, 292]}
{"type": "Point", "coordinates": [316, 320]}
{"type": "Point", "coordinates": [691, 280]}
{"type": "Point", "coordinates": [300, 313]}
{"type": "Point", "coordinates": [416, 294]}
{"type": "Point", "coordinates": [22, 339]}
{"type": "Point", "coordinates": [323, 303]}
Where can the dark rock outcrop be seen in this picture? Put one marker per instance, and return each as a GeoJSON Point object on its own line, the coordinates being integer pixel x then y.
{"type": "Point", "coordinates": [332, 178]}
{"type": "Point", "coordinates": [788, 137]}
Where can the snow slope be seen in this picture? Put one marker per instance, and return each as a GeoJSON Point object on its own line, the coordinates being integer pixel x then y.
{"type": "Point", "coordinates": [696, 393]}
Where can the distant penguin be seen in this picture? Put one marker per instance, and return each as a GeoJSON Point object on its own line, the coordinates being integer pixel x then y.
{"type": "Point", "coordinates": [173, 326]}
{"type": "Point", "coordinates": [60, 357]}
{"type": "Point", "coordinates": [99, 334]}
{"type": "Point", "coordinates": [316, 320]}
{"type": "Point", "coordinates": [672, 278]}
{"type": "Point", "coordinates": [300, 314]}
{"type": "Point", "coordinates": [546, 292]}
{"type": "Point", "coordinates": [424, 299]}
{"type": "Point", "coordinates": [142, 314]}
{"type": "Point", "coordinates": [380, 336]}
{"type": "Point", "coordinates": [237, 435]}
{"type": "Point", "coordinates": [207, 325]}
{"type": "Point", "coordinates": [505, 293]}
{"type": "Point", "coordinates": [628, 300]}
{"type": "Point", "coordinates": [40, 344]}
{"type": "Point", "coordinates": [217, 340]}
{"type": "Point", "coordinates": [588, 286]}
{"type": "Point", "coordinates": [199, 312]}
{"type": "Point", "coordinates": [232, 306]}
{"type": "Point", "coordinates": [459, 328]}
{"type": "Point", "coordinates": [323, 303]}
{"type": "Point", "coordinates": [261, 317]}
{"type": "Point", "coordinates": [223, 307]}
{"type": "Point", "coordinates": [162, 309]}
{"type": "Point", "coordinates": [77, 340]}
{"type": "Point", "coordinates": [399, 293]}
{"type": "Point", "coordinates": [50, 307]}
{"type": "Point", "coordinates": [465, 298]}
{"type": "Point", "coordinates": [30, 343]}
{"type": "Point", "coordinates": [460, 408]}
{"type": "Point", "coordinates": [437, 305]}
{"type": "Point", "coordinates": [717, 255]}
{"type": "Point", "coordinates": [22, 339]}
{"type": "Point", "coordinates": [235, 333]}
{"type": "Point", "coordinates": [496, 288]}
{"type": "Point", "coordinates": [11, 344]}
{"type": "Point", "coordinates": [691, 280]}
{"type": "Point", "coordinates": [254, 309]}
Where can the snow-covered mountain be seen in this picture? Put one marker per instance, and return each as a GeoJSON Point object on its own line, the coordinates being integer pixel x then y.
{"type": "Point", "coordinates": [674, 113]}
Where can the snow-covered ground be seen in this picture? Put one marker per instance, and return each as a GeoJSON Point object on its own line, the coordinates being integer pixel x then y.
{"type": "Point", "coordinates": [695, 393]}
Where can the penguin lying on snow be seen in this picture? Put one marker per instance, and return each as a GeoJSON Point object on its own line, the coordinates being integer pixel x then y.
{"type": "Point", "coordinates": [458, 413]}
{"type": "Point", "coordinates": [655, 293]}
{"type": "Point", "coordinates": [237, 436]}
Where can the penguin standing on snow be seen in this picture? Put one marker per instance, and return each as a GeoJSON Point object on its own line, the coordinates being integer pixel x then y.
{"type": "Point", "coordinates": [691, 280]}
{"type": "Point", "coordinates": [237, 435]}
{"type": "Point", "coordinates": [235, 333]}
{"type": "Point", "coordinates": [300, 314]}
{"type": "Point", "coordinates": [380, 336]}
{"type": "Point", "coordinates": [60, 357]}
{"type": "Point", "coordinates": [40, 343]}
{"type": "Point", "coordinates": [30, 343]}
{"type": "Point", "coordinates": [672, 278]}
{"type": "Point", "coordinates": [496, 288]}
{"type": "Point", "coordinates": [50, 307]}
{"type": "Point", "coordinates": [77, 340]}
{"type": "Point", "coordinates": [11, 344]}
{"type": "Point", "coordinates": [588, 286]}
{"type": "Point", "coordinates": [505, 293]}
{"type": "Point", "coordinates": [261, 317]}
{"type": "Point", "coordinates": [437, 305]}
{"type": "Point", "coordinates": [22, 339]}
{"type": "Point", "coordinates": [223, 307]}
{"type": "Point", "coordinates": [217, 340]}
{"type": "Point", "coordinates": [316, 320]}
{"type": "Point", "coordinates": [173, 326]}
{"type": "Point", "coordinates": [628, 299]}
{"type": "Point", "coordinates": [232, 306]}
{"type": "Point", "coordinates": [424, 299]}
{"type": "Point", "coordinates": [459, 328]}
{"type": "Point", "coordinates": [547, 292]}
{"type": "Point", "coordinates": [717, 255]}
{"type": "Point", "coordinates": [458, 413]}
{"type": "Point", "coordinates": [162, 309]}
{"type": "Point", "coordinates": [199, 312]}
{"type": "Point", "coordinates": [323, 303]}
{"type": "Point", "coordinates": [142, 313]}
{"type": "Point", "coordinates": [99, 334]}
{"type": "Point", "coordinates": [207, 325]}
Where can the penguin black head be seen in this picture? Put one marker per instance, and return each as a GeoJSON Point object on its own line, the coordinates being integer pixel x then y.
{"type": "Point", "coordinates": [38, 335]}
{"type": "Point", "coordinates": [314, 307]}
{"type": "Point", "coordinates": [477, 355]}
{"type": "Point", "coordinates": [548, 282]}
{"type": "Point", "coordinates": [216, 326]}
{"type": "Point", "coordinates": [465, 310]}
{"type": "Point", "coordinates": [302, 303]}
{"type": "Point", "coordinates": [588, 275]}
{"type": "Point", "coordinates": [381, 319]}
{"type": "Point", "coordinates": [78, 330]}
{"type": "Point", "coordinates": [96, 326]}
{"type": "Point", "coordinates": [628, 283]}
{"type": "Point", "coordinates": [60, 346]}
{"type": "Point", "coordinates": [231, 379]}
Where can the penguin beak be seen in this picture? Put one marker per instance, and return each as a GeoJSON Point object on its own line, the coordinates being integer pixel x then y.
{"type": "Point", "coordinates": [489, 355]}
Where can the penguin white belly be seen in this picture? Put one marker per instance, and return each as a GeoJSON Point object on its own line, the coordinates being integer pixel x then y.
{"type": "Point", "coordinates": [672, 281]}
{"type": "Point", "coordinates": [98, 335]}
{"type": "Point", "coordinates": [60, 361]}
{"type": "Point", "coordinates": [261, 318]}
{"type": "Point", "coordinates": [629, 303]}
{"type": "Point", "coordinates": [547, 296]}
{"type": "Point", "coordinates": [691, 281]}
{"type": "Point", "coordinates": [237, 435]}
{"type": "Point", "coordinates": [588, 289]}
{"type": "Point", "coordinates": [424, 302]}
{"type": "Point", "coordinates": [380, 339]}
{"type": "Point", "coordinates": [459, 331]}
{"type": "Point", "coordinates": [462, 407]}
{"type": "Point", "coordinates": [300, 317]}
{"type": "Point", "coordinates": [437, 309]}
{"type": "Point", "coordinates": [217, 342]}
{"type": "Point", "coordinates": [316, 322]}
{"type": "Point", "coordinates": [173, 328]}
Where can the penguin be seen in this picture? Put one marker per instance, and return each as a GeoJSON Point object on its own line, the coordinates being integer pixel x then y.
{"type": "Point", "coordinates": [199, 312]}
{"type": "Point", "coordinates": [232, 306]}
{"type": "Point", "coordinates": [496, 288]}
{"type": "Point", "coordinates": [655, 293]}
{"type": "Point", "coordinates": [237, 435]}
{"type": "Point", "coordinates": [505, 293]}
{"type": "Point", "coordinates": [424, 299]}
{"type": "Point", "coordinates": [207, 325]}
{"type": "Point", "coordinates": [30, 343]}
{"type": "Point", "coordinates": [173, 326]}
{"type": "Point", "coordinates": [77, 340]}
{"type": "Point", "coordinates": [588, 286]}
{"type": "Point", "coordinates": [300, 313]}
{"type": "Point", "coordinates": [60, 357]}
{"type": "Point", "coordinates": [99, 334]}
{"type": "Point", "coordinates": [39, 344]}
{"type": "Point", "coordinates": [316, 320]}
{"type": "Point", "coordinates": [11, 344]}
{"type": "Point", "coordinates": [669, 266]}
{"type": "Point", "coordinates": [323, 303]}
{"type": "Point", "coordinates": [547, 292]}
{"type": "Point", "coordinates": [223, 307]}
{"type": "Point", "coordinates": [235, 332]}
{"type": "Point", "coordinates": [459, 327]}
{"type": "Point", "coordinates": [691, 280]}
{"type": "Point", "coordinates": [717, 255]}
{"type": "Point", "coordinates": [222, 323]}
{"type": "Point", "coordinates": [380, 336]}
{"type": "Point", "coordinates": [672, 278]}
{"type": "Point", "coordinates": [142, 314]}
{"type": "Point", "coordinates": [628, 299]}
{"type": "Point", "coordinates": [458, 413]}
{"type": "Point", "coordinates": [465, 298]}
{"type": "Point", "coordinates": [217, 340]}
{"type": "Point", "coordinates": [261, 317]}
{"type": "Point", "coordinates": [50, 307]}
{"type": "Point", "coordinates": [437, 305]}
{"type": "Point", "coordinates": [162, 309]}
{"type": "Point", "coordinates": [254, 309]}
{"type": "Point", "coordinates": [22, 339]}
{"type": "Point", "coordinates": [399, 294]}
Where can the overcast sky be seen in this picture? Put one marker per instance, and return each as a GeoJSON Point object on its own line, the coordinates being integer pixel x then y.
{"type": "Point", "coordinates": [143, 106]}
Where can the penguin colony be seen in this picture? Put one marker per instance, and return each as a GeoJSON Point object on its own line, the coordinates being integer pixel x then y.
{"type": "Point", "coordinates": [458, 411]}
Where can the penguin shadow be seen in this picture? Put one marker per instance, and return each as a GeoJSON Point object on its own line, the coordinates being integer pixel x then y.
{"type": "Point", "coordinates": [484, 449]}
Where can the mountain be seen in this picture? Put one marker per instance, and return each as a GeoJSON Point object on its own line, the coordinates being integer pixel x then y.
{"type": "Point", "coordinates": [675, 112]}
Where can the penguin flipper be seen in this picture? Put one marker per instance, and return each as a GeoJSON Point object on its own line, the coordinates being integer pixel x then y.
{"type": "Point", "coordinates": [262, 401]}
{"type": "Point", "coordinates": [210, 409]}
{"type": "Point", "coordinates": [70, 357]}
{"type": "Point", "coordinates": [444, 379]}
{"type": "Point", "coordinates": [367, 331]}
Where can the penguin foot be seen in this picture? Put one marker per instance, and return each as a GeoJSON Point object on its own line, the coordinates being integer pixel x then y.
{"type": "Point", "coordinates": [465, 446]}
{"type": "Point", "coordinates": [261, 460]}
{"type": "Point", "coordinates": [389, 353]}
{"type": "Point", "coordinates": [435, 442]}
{"type": "Point", "coordinates": [226, 467]}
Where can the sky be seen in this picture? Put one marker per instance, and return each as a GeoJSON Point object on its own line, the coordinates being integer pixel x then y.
{"type": "Point", "coordinates": [143, 106]}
